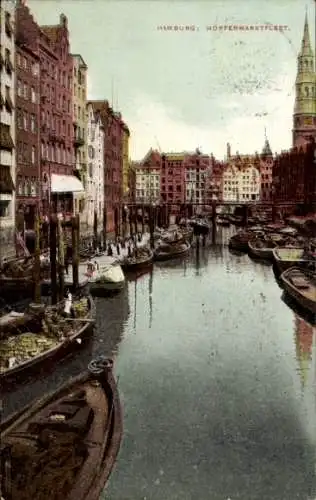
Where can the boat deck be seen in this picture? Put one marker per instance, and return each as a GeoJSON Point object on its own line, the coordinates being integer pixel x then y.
{"type": "Point", "coordinates": [50, 472]}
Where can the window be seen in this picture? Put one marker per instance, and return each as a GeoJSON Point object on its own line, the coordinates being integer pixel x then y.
{"type": "Point", "coordinates": [33, 188]}
{"type": "Point", "coordinates": [7, 62]}
{"type": "Point", "coordinates": [33, 155]}
{"type": "Point", "coordinates": [19, 119]}
{"type": "Point", "coordinates": [8, 28]}
{"type": "Point", "coordinates": [20, 88]}
{"type": "Point", "coordinates": [35, 69]}
{"type": "Point", "coordinates": [8, 100]}
{"type": "Point", "coordinates": [25, 122]}
{"type": "Point", "coordinates": [33, 95]}
{"type": "Point", "coordinates": [26, 94]}
{"type": "Point", "coordinates": [33, 123]}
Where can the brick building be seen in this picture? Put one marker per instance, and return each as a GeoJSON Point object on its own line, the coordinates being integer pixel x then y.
{"type": "Point", "coordinates": [51, 44]}
{"type": "Point", "coordinates": [172, 187]}
{"type": "Point", "coordinates": [294, 176]}
{"type": "Point", "coordinates": [215, 182]}
{"type": "Point", "coordinates": [27, 98]}
{"type": "Point", "coordinates": [197, 175]}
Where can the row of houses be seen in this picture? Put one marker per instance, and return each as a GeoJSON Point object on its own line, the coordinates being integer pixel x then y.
{"type": "Point", "coordinates": [60, 151]}
{"type": "Point", "coordinates": [193, 177]}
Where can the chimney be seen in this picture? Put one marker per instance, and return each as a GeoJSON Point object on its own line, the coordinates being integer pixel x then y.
{"type": "Point", "coordinates": [63, 21]}
{"type": "Point", "coordinates": [228, 151]}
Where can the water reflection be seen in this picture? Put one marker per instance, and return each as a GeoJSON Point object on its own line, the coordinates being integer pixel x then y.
{"type": "Point", "coordinates": [304, 343]}
{"type": "Point", "coordinates": [212, 393]}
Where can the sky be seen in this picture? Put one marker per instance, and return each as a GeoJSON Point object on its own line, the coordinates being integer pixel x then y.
{"type": "Point", "coordinates": [179, 90]}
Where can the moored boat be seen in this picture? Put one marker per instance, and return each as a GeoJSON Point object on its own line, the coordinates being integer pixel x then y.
{"type": "Point", "coordinates": [239, 241]}
{"type": "Point", "coordinates": [166, 251]}
{"type": "Point", "coordinates": [43, 334]}
{"type": "Point", "coordinates": [285, 257]}
{"type": "Point", "coordinates": [300, 284]}
{"type": "Point", "coordinates": [105, 278]}
{"type": "Point", "coordinates": [65, 445]}
{"type": "Point", "coordinates": [140, 260]}
{"type": "Point", "coordinates": [261, 248]}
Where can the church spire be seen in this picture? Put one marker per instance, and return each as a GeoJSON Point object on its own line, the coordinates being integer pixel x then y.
{"type": "Point", "coordinates": [306, 49]}
{"type": "Point", "coordinates": [304, 119]}
{"type": "Point", "coordinates": [266, 150]}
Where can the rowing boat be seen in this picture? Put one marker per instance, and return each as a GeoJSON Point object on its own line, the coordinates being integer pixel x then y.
{"type": "Point", "coordinates": [300, 284]}
{"type": "Point", "coordinates": [286, 257]}
{"type": "Point", "coordinates": [66, 444]}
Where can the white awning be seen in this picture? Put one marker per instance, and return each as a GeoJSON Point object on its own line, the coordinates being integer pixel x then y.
{"type": "Point", "coordinates": [66, 184]}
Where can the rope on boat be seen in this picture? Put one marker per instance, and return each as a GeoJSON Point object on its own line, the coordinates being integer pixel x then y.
{"type": "Point", "coordinates": [99, 365]}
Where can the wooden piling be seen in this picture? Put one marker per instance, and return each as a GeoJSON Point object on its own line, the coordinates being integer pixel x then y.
{"type": "Point", "coordinates": [151, 226]}
{"type": "Point", "coordinates": [53, 256]}
{"type": "Point", "coordinates": [130, 220]}
{"type": "Point", "coordinates": [61, 260]}
{"type": "Point", "coordinates": [95, 230]}
{"type": "Point", "coordinates": [143, 219]}
{"type": "Point", "coordinates": [75, 236]}
{"type": "Point", "coordinates": [37, 260]}
{"type": "Point", "coordinates": [104, 231]}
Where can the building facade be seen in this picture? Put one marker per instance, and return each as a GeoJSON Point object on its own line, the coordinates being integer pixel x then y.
{"type": "Point", "coordinates": [80, 123]}
{"type": "Point", "coordinates": [126, 163]}
{"type": "Point", "coordinates": [304, 118]}
{"type": "Point", "coordinates": [215, 182]}
{"type": "Point", "coordinates": [197, 174]}
{"type": "Point", "coordinates": [94, 202]}
{"type": "Point", "coordinates": [147, 177]}
{"type": "Point", "coordinates": [294, 176]}
{"type": "Point", "coordinates": [172, 185]}
{"type": "Point", "coordinates": [113, 163]}
{"type": "Point", "coordinates": [241, 179]}
{"type": "Point", "coordinates": [27, 99]}
{"type": "Point", "coordinates": [7, 130]}
{"type": "Point", "coordinates": [51, 44]}
{"type": "Point", "coordinates": [266, 167]}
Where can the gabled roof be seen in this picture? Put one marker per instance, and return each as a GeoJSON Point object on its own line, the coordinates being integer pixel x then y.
{"type": "Point", "coordinates": [80, 60]}
{"type": "Point", "coordinates": [51, 32]}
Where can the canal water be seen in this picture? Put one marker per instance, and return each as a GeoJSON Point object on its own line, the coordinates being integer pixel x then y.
{"type": "Point", "coordinates": [217, 379]}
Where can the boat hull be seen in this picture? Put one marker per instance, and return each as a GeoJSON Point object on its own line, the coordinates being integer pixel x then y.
{"type": "Point", "coordinates": [284, 264]}
{"type": "Point", "coordinates": [140, 265]}
{"type": "Point", "coordinates": [260, 253]}
{"type": "Point", "coordinates": [106, 289]}
{"type": "Point", "coordinates": [55, 354]}
{"type": "Point", "coordinates": [92, 477]}
{"type": "Point", "coordinates": [303, 301]}
{"type": "Point", "coordinates": [161, 256]}
{"type": "Point", "coordinates": [239, 245]}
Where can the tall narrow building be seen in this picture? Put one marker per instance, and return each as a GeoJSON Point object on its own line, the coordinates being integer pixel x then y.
{"type": "Point", "coordinates": [7, 130]}
{"type": "Point", "coordinates": [304, 119]}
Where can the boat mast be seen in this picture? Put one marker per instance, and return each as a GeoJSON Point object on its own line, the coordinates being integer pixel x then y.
{"type": "Point", "coordinates": [150, 283]}
{"type": "Point", "coordinates": [135, 303]}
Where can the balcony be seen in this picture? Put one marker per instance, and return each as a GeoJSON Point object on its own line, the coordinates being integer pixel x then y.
{"type": "Point", "coordinates": [52, 136]}
{"type": "Point", "coordinates": [78, 141]}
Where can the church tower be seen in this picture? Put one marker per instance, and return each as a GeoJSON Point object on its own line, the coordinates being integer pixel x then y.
{"type": "Point", "coordinates": [304, 119]}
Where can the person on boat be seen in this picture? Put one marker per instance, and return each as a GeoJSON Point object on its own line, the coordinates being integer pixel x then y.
{"type": "Point", "coordinates": [90, 268]}
{"type": "Point", "coordinates": [110, 251]}
{"type": "Point", "coordinates": [68, 309]}
{"type": "Point", "coordinates": [118, 249]}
